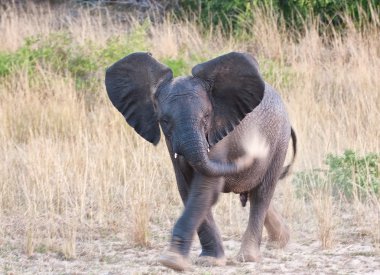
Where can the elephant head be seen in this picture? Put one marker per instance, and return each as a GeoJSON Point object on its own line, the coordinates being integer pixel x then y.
{"type": "Point", "coordinates": [195, 112]}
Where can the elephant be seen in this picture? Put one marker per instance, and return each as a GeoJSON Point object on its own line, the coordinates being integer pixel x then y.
{"type": "Point", "coordinates": [226, 130]}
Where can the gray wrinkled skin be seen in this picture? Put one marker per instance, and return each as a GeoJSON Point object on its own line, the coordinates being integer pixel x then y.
{"type": "Point", "coordinates": [271, 121]}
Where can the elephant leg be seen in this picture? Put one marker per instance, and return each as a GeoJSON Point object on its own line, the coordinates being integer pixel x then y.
{"type": "Point", "coordinates": [259, 199]}
{"type": "Point", "coordinates": [278, 231]}
{"type": "Point", "coordinates": [202, 195]}
{"type": "Point", "coordinates": [250, 246]}
{"type": "Point", "coordinates": [212, 246]}
{"type": "Point", "coordinates": [208, 233]}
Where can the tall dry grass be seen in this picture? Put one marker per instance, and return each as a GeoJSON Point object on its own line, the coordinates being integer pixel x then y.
{"type": "Point", "coordinates": [70, 171]}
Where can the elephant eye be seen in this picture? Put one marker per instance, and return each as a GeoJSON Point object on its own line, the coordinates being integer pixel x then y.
{"type": "Point", "coordinates": [164, 122]}
{"type": "Point", "coordinates": [206, 121]}
{"type": "Point", "coordinates": [165, 125]}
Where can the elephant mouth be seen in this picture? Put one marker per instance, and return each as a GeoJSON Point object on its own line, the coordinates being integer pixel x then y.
{"type": "Point", "coordinates": [197, 153]}
{"type": "Point", "coordinates": [176, 155]}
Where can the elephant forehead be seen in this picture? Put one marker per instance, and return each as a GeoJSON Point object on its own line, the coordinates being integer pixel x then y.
{"type": "Point", "coordinates": [188, 105]}
{"type": "Point", "coordinates": [184, 89]}
{"type": "Point", "coordinates": [187, 86]}
{"type": "Point", "coordinates": [181, 105]}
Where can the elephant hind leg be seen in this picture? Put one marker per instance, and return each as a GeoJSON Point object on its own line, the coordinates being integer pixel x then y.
{"type": "Point", "coordinates": [250, 245]}
{"type": "Point", "coordinates": [278, 231]}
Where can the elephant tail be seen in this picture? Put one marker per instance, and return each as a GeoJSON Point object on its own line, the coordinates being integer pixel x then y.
{"type": "Point", "coordinates": [286, 169]}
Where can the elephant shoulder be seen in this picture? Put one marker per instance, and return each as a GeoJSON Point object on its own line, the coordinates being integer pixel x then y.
{"type": "Point", "coordinates": [272, 103]}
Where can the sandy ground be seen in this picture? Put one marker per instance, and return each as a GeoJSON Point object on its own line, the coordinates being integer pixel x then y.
{"type": "Point", "coordinates": [301, 256]}
{"type": "Point", "coordinates": [106, 251]}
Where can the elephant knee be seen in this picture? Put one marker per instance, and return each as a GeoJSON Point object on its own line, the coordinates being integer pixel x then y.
{"type": "Point", "coordinates": [214, 198]}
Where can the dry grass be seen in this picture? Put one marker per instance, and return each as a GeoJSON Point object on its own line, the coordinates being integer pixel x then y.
{"type": "Point", "coordinates": [70, 172]}
{"type": "Point", "coordinates": [325, 211]}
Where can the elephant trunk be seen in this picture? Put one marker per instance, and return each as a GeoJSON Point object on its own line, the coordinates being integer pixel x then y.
{"type": "Point", "coordinates": [196, 153]}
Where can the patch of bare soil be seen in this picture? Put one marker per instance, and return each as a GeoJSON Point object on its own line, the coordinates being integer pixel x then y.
{"type": "Point", "coordinates": [301, 256]}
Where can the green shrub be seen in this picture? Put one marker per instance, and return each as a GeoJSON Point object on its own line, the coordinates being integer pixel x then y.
{"type": "Point", "coordinates": [59, 52]}
{"type": "Point", "coordinates": [5, 63]}
{"type": "Point", "coordinates": [215, 12]}
{"type": "Point", "coordinates": [350, 171]}
{"type": "Point", "coordinates": [231, 14]}
{"type": "Point", "coordinates": [120, 46]}
{"type": "Point", "coordinates": [349, 174]}
{"type": "Point", "coordinates": [53, 51]}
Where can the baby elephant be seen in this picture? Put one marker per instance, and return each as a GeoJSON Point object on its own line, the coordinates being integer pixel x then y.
{"type": "Point", "coordinates": [226, 131]}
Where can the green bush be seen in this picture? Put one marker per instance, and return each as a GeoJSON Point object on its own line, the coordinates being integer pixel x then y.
{"type": "Point", "coordinates": [231, 14]}
{"type": "Point", "coordinates": [350, 171]}
{"type": "Point", "coordinates": [59, 52]}
{"type": "Point", "coordinates": [53, 51]}
{"type": "Point", "coordinates": [349, 174]}
{"type": "Point", "coordinates": [5, 63]}
{"type": "Point", "coordinates": [215, 12]}
{"type": "Point", "coordinates": [87, 62]}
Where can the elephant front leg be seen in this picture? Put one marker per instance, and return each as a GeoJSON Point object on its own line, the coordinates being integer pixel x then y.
{"type": "Point", "coordinates": [203, 194]}
{"type": "Point", "coordinates": [212, 246]}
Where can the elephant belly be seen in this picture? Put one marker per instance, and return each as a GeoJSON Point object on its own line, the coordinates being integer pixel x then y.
{"type": "Point", "coordinates": [244, 181]}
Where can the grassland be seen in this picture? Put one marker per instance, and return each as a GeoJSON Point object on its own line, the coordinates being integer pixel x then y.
{"type": "Point", "coordinates": [80, 192]}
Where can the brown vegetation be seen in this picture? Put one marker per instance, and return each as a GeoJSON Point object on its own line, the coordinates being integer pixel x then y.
{"type": "Point", "coordinates": [72, 171]}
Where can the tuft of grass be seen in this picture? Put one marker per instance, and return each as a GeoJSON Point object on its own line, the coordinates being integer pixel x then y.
{"type": "Point", "coordinates": [325, 209]}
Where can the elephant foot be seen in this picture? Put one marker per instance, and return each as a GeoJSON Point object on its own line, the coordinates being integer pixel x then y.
{"type": "Point", "coordinates": [279, 240]}
{"type": "Point", "coordinates": [274, 243]}
{"type": "Point", "coordinates": [249, 256]}
{"type": "Point", "coordinates": [278, 231]}
{"type": "Point", "coordinates": [207, 261]}
{"type": "Point", "coordinates": [174, 261]}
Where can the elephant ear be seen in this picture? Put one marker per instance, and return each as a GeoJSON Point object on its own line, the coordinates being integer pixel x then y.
{"type": "Point", "coordinates": [131, 83]}
{"type": "Point", "coordinates": [235, 89]}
